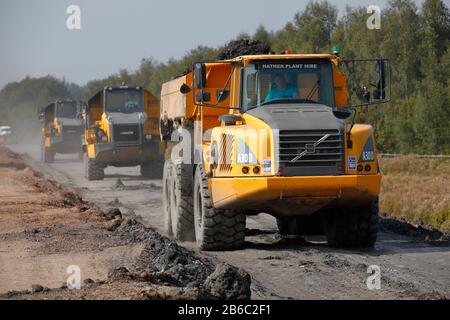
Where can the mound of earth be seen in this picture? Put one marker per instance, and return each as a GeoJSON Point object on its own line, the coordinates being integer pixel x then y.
{"type": "Point", "coordinates": [243, 47]}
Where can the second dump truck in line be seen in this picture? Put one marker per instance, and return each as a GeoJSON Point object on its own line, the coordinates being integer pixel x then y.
{"type": "Point", "coordinates": [121, 129]}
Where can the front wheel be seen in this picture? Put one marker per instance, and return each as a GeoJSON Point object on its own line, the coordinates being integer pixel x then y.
{"type": "Point", "coordinates": [215, 230]}
{"type": "Point", "coordinates": [93, 170]}
{"type": "Point", "coordinates": [353, 227]}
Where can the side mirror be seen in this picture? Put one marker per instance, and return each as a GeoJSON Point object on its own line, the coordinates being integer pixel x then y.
{"type": "Point", "coordinates": [380, 69]}
{"type": "Point", "coordinates": [200, 75]}
{"type": "Point", "coordinates": [342, 113]}
{"type": "Point", "coordinates": [369, 81]}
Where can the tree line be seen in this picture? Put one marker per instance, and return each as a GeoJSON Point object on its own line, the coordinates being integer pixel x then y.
{"type": "Point", "coordinates": [414, 39]}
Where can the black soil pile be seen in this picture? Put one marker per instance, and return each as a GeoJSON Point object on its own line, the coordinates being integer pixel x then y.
{"type": "Point", "coordinates": [167, 263]}
{"type": "Point", "coordinates": [243, 47]}
{"type": "Point", "coordinates": [417, 232]}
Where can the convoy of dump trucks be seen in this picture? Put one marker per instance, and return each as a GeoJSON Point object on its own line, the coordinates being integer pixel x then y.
{"type": "Point", "coordinates": [271, 133]}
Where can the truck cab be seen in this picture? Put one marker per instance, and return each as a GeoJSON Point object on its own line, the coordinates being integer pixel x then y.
{"type": "Point", "coordinates": [121, 130]}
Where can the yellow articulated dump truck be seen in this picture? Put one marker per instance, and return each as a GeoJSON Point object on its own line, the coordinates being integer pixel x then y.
{"type": "Point", "coordinates": [122, 130]}
{"type": "Point", "coordinates": [61, 130]}
{"type": "Point", "coordinates": [270, 134]}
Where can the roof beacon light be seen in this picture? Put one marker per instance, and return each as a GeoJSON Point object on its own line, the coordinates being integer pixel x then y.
{"type": "Point", "coordinates": [336, 50]}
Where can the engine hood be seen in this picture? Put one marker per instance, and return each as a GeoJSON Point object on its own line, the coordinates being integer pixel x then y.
{"type": "Point", "coordinates": [298, 117]}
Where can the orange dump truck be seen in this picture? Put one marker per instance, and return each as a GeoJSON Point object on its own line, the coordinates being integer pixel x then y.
{"type": "Point", "coordinates": [268, 134]}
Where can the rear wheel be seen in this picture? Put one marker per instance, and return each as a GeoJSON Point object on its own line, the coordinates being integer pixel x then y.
{"type": "Point", "coordinates": [181, 208]}
{"type": "Point", "coordinates": [215, 229]}
{"type": "Point", "coordinates": [353, 227]}
{"type": "Point", "coordinates": [93, 170]}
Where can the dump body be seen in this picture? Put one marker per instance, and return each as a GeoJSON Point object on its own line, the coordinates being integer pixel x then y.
{"type": "Point", "coordinates": [121, 128]}
{"type": "Point", "coordinates": [261, 151]}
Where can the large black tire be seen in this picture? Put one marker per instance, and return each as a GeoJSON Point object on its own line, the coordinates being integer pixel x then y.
{"type": "Point", "coordinates": [166, 184]}
{"type": "Point", "coordinates": [302, 226]}
{"type": "Point", "coordinates": [93, 170]}
{"type": "Point", "coordinates": [353, 227]}
{"type": "Point", "coordinates": [283, 226]}
{"type": "Point", "coordinates": [181, 207]}
{"type": "Point", "coordinates": [152, 169]}
{"type": "Point", "coordinates": [215, 230]}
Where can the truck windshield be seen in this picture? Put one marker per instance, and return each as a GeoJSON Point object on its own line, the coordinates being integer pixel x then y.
{"type": "Point", "coordinates": [67, 109]}
{"type": "Point", "coordinates": [124, 100]}
{"type": "Point", "coordinates": [285, 82]}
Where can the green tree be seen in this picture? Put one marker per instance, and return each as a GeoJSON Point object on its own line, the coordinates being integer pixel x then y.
{"type": "Point", "coordinates": [434, 116]}
{"type": "Point", "coordinates": [435, 22]}
{"type": "Point", "coordinates": [21, 101]}
{"type": "Point", "coordinates": [262, 35]}
{"type": "Point", "coordinates": [311, 29]}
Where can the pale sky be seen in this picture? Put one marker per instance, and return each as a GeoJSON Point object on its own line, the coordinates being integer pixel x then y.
{"type": "Point", "coordinates": [35, 41]}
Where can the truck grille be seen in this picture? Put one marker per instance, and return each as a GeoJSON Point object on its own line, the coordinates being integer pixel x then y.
{"type": "Point", "coordinates": [311, 152]}
{"type": "Point", "coordinates": [126, 133]}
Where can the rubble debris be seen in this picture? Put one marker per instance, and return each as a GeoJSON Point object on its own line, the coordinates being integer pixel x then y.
{"type": "Point", "coordinates": [243, 47]}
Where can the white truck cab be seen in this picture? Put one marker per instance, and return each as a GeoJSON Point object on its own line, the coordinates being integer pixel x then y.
{"type": "Point", "coordinates": [5, 131]}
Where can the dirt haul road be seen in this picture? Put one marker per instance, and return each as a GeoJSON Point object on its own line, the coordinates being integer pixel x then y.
{"type": "Point", "coordinates": [50, 238]}
{"type": "Point", "coordinates": [413, 263]}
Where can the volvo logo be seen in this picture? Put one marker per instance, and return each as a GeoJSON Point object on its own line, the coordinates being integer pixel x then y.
{"type": "Point", "coordinates": [310, 149]}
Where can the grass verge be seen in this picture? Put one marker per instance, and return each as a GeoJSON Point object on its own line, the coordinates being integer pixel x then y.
{"type": "Point", "coordinates": [417, 190]}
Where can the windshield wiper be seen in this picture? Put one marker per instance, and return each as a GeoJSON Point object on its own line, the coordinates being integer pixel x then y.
{"type": "Point", "coordinates": [287, 100]}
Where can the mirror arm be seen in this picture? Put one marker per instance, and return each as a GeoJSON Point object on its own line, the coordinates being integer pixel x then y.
{"type": "Point", "coordinates": [349, 132]}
